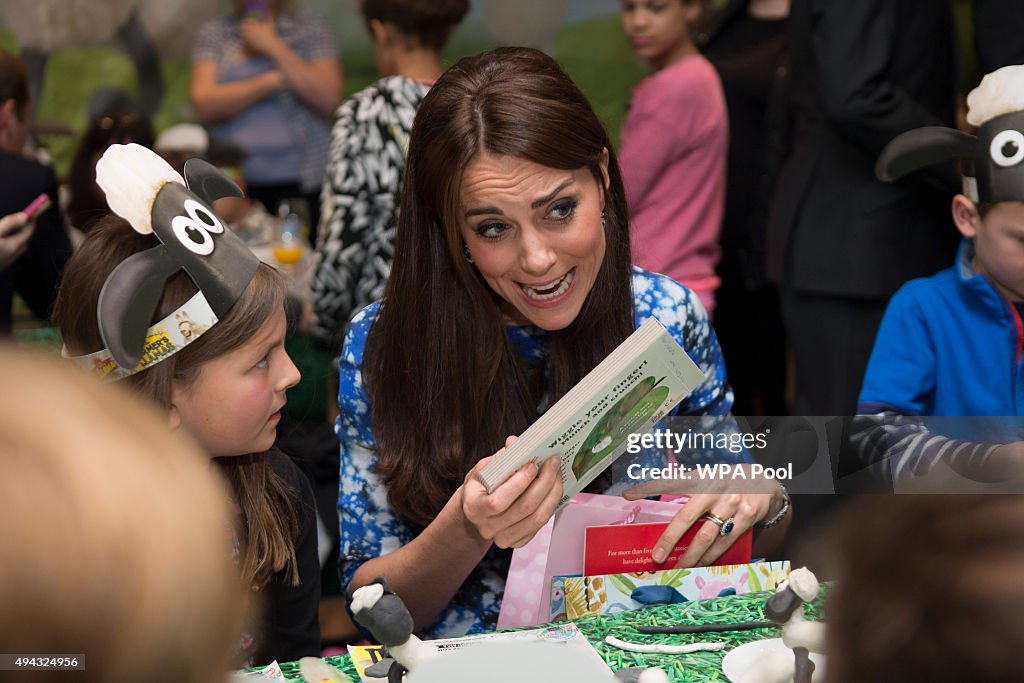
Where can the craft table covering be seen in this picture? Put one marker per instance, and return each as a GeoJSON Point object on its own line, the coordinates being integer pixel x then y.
{"type": "Point", "coordinates": [696, 667]}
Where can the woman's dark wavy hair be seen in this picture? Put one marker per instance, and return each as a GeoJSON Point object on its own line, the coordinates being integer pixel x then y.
{"type": "Point", "coordinates": [446, 385]}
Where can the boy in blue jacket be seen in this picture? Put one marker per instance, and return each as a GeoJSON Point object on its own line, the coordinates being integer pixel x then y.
{"type": "Point", "coordinates": [952, 344]}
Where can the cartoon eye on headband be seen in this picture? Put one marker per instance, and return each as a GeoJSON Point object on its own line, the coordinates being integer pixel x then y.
{"type": "Point", "coordinates": [997, 108]}
{"type": "Point", "coordinates": [1007, 148]}
{"type": "Point", "coordinates": [143, 189]}
{"type": "Point", "coordinates": [997, 152]}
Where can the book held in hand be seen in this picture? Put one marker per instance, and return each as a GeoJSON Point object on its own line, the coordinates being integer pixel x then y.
{"type": "Point", "coordinates": [639, 383]}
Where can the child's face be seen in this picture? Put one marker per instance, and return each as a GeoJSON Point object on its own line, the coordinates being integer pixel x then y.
{"type": "Point", "coordinates": [658, 30]}
{"type": "Point", "coordinates": [999, 248]}
{"type": "Point", "coordinates": [233, 406]}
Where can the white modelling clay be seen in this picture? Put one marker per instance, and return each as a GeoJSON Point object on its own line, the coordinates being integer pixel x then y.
{"type": "Point", "coordinates": [661, 648]}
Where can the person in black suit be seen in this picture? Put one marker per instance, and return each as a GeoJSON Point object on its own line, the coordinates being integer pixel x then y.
{"type": "Point", "coordinates": [34, 273]}
{"type": "Point", "coordinates": [840, 242]}
{"type": "Point", "coordinates": [998, 27]}
{"type": "Point", "coordinates": [746, 41]}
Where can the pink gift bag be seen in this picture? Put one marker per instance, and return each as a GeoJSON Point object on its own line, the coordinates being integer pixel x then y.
{"type": "Point", "coordinates": [557, 550]}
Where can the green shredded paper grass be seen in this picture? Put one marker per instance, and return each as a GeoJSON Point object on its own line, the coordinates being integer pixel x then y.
{"type": "Point", "coordinates": [696, 667]}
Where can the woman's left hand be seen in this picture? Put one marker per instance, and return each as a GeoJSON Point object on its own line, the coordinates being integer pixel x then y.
{"type": "Point", "coordinates": [742, 508]}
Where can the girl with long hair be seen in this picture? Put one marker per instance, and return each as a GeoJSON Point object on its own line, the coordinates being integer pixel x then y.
{"type": "Point", "coordinates": [225, 388]}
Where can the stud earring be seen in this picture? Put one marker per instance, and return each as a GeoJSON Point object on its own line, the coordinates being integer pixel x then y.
{"type": "Point", "coordinates": [466, 255]}
{"type": "Point", "coordinates": [604, 219]}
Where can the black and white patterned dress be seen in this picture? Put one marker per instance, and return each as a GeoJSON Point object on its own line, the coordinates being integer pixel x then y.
{"type": "Point", "coordinates": [355, 245]}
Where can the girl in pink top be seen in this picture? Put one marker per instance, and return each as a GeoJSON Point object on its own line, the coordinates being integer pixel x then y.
{"type": "Point", "coordinates": [674, 145]}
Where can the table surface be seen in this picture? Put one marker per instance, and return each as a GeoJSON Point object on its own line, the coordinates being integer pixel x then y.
{"type": "Point", "coordinates": [696, 667]}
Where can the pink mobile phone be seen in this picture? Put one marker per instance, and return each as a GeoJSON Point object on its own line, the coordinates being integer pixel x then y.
{"type": "Point", "coordinates": [38, 205]}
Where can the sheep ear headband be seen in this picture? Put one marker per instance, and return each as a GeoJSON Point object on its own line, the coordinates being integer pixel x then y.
{"type": "Point", "coordinates": [996, 106]}
{"type": "Point", "coordinates": [143, 189]}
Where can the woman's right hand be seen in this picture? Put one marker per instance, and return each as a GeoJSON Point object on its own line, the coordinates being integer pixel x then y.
{"type": "Point", "coordinates": [510, 515]}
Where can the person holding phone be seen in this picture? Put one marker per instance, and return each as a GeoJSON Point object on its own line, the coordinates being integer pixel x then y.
{"type": "Point", "coordinates": [17, 228]}
{"type": "Point", "coordinates": [33, 249]}
{"type": "Point", "coordinates": [15, 231]}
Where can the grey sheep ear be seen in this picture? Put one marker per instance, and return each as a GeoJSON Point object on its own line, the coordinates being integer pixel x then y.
{"type": "Point", "coordinates": [127, 302]}
{"type": "Point", "coordinates": [921, 147]}
{"type": "Point", "coordinates": [208, 182]}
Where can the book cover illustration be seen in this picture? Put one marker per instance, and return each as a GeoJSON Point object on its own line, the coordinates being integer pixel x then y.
{"type": "Point", "coordinates": [574, 597]}
{"type": "Point", "coordinates": [632, 410]}
{"type": "Point", "coordinates": [628, 392]}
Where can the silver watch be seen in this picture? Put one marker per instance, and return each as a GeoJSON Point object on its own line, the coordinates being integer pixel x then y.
{"type": "Point", "coordinates": [777, 517]}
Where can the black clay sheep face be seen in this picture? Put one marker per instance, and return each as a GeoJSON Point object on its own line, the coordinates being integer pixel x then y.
{"type": "Point", "coordinates": [998, 159]}
{"type": "Point", "coordinates": [144, 190]}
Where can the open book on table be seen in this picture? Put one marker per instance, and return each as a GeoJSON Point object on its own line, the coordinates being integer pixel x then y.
{"type": "Point", "coordinates": [639, 383]}
{"type": "Point", "coordinates": [558, 652]}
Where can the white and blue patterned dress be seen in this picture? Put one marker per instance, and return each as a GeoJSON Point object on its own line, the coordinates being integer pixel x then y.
{"type": "Point", "coordinates": [371, 528]}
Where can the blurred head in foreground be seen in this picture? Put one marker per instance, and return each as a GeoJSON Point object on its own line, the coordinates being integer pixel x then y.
{"type": "Point", "coordinates": [929, 589]}
{"type": "Point", "coordinates": [115, 536]}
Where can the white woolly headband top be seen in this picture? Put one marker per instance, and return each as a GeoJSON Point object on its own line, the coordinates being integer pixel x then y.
{"type": "Point", "coordinates": [1000, 92]}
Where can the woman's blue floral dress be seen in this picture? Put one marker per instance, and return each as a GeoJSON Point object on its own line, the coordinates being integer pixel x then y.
{"type": "Point", "coordinates": [369, 526]}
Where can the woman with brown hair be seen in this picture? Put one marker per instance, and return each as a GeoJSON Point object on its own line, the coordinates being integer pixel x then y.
{"type": "Point", "coordinates": [223, 382]}
{"type": "Point", "coordinates": [511, 281]}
